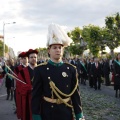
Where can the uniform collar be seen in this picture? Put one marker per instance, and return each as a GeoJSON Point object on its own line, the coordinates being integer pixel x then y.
{"type": "Point", "coordinates": [55, 64]}
{"type": "Point", "coordinates": [31, 66]}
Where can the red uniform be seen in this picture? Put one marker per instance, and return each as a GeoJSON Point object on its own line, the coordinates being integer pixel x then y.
{"type": "Point", "coordinates": [25, 93]}
{"type": "Point", "coordinates": [18, 98]}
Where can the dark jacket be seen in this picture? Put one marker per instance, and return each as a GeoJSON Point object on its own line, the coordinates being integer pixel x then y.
{"type": "Point", "coordinates": [106, 68]}
{"type": "Point", "coordinates": [96, 72]}
{"type": "Point", "coordinates": [116, 68]}
{"type": "Point", "coordinates": [66, 84]}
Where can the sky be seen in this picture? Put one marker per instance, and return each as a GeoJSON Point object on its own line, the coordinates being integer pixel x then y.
{"type": "Point", "coordinates": [33, 17]}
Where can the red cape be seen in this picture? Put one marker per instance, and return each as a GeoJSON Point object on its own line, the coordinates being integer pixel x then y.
{"type": "Point", "coordinates": [18, 98]}
{"type": "Point", "coordinates": [25, 93]}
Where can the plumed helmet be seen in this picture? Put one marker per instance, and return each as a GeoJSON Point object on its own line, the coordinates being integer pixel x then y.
{"type": "Point", "coordinates": [57, 35]}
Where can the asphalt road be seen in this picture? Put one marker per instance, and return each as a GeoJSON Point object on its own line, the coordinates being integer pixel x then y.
{"type": "Point", "coordinates": [7, 107]}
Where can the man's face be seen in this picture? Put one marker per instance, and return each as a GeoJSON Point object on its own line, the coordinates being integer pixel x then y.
{"type": "Point", "coordinates": [92, 60]}
{"type": "Point", "coordinates": [33, 58]}
{"type": "Point", "coordinates": [56, 52]}
{"type": "Point", "coordinates": [119, 56]}
{"type": "Point", "coordinates": [96, 59]}
{"type": "Point", "coordinates": [25, 60]}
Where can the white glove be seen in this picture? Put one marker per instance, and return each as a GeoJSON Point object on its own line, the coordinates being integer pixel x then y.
{"type": "Point", "coordinates": [82, 118]}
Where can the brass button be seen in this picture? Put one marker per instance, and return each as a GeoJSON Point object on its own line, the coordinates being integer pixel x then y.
{"type": "Point", "coordinates": [47, 68]}
{"type": "Point", "coordinates": [48, 77]}
{"type": "Point", "coordinates": [67, 67]}
{"type": "Point", "coordinates": [52, 106]}
{"type": "Point", "coordinates": [67, 86]}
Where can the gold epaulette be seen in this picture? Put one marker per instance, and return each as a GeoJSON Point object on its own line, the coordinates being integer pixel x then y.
{"type": "Point", "coordinates": [45, 63]}
{"type": "Point", "coordinates": [71, 65]}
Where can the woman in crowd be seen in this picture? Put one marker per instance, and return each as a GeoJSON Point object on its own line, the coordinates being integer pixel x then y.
{"type": "Point", "coordinates": [116, 68]}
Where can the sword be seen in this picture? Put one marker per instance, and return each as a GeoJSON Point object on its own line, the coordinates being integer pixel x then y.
{"type": "Point", "coordinates": [11, 70]}
{"type": "Point", "coordinates": [15, 78]}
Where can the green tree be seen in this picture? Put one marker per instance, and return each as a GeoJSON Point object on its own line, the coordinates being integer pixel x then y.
{"type": "Point", "coordinates": [113, 30]}
{"type": "Point", "coordinates": [75, 47]}
{"type": "Point", "coordinates": [42, 52]}
{"type": "Point", "coordinates": [92, 35]}
{"type": "Point", "coordinates": [1, 48]}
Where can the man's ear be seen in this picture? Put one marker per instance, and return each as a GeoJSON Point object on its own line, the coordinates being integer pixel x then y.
{"type": "Point", "coordinates": [48, 52]}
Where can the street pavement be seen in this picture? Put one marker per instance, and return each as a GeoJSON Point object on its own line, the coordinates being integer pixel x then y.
{"type": "Point", "coordinates": [90, 99]}
{"type": "Point", "coordinates": [7, 107]}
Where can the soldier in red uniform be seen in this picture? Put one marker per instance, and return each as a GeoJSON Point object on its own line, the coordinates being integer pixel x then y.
{"type": "Point", "coordinates": [26, 75]}
{"type": "Point", "coordinates": [23, 63]}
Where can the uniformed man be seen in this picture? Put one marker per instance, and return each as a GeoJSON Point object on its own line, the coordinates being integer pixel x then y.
{"type": "Point", "coordinates": [96, 72]}
{"type": "Point", "coordinates": [26, 75]}
{"type": "Point", "coordinates": [116, 69]}
{"type": "Point", "coordinates": [91, 79]}
{"type": "Point", "coordinates": [23, 63]}
{"type": "Point", "coordinates": [55, 93]}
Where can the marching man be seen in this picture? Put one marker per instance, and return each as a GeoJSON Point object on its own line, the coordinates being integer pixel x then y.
{"type": "Point", "coordinates": [55, 93]}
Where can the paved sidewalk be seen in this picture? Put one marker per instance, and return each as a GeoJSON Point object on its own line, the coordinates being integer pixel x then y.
{"type": "Point", "coordinates": [7, 107]}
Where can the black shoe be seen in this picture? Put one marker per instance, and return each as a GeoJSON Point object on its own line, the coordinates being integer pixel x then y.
{"type": "Point", "coordinates": [7, 97]}
{"type": "Point", "coordinates": [15, 112]}
{"type": "Point", "coordinates": [116, 95]}
{"type": "Point", "coordinates": [11, 98]}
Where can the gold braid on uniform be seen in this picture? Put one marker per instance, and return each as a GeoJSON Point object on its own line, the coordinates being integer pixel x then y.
{"type": "Point", "coordinates": [60, 92]}
{"type": "Point", "coordinates": [56, 91]}
{"type": "Point", "coordinates": [45, 63]}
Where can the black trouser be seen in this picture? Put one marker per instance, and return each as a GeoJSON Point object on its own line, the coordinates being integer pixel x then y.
{"type": "Point", "coordinates": [79, 78]}
{"type": "Point", "coordinates": [91, 81]}
{"type": "Point", "coordinates": [8, 93]}
{"type": "Point", "coordinates": [15, 96]}
{"type": "Point", "coordinates": [107, 80]}
{"type": "Point", "coordinates": [97, 82]}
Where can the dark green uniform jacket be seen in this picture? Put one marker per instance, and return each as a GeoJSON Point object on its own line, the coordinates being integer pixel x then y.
{"type": "Point", "coordinates": [64, 77]}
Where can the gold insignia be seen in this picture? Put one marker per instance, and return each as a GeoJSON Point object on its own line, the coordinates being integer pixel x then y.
{"type": "Point", "coordinates": [70, 64]}
{"type": "Point", "coordinates": [64, 74]}
{"type": "Point", "coordinates": [45, 63]}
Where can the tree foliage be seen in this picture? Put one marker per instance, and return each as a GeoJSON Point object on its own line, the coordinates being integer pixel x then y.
{"type": "Point", "coordinates": [113, 29]}
{"type": "Point", "coordinates": [75, 47]}
{"type": "Point", "coordinates": [42, 52]}
{"type": "Point", "coordinates": [1, 48]}
{"type": "Point", "coordinates": [92, 35]}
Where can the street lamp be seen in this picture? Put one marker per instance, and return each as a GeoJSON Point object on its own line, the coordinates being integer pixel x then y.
{"type": "Point", "coordinates": [4, 37]}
